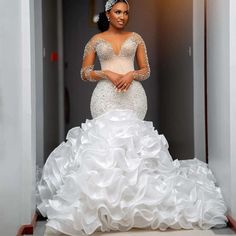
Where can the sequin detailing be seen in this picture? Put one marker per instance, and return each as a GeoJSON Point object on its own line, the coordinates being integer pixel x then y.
{"type": "Point", "coordinates": [104, 96]}
{"type": "Point", "coordinates": [86, 74]}
{"type": "Point", "coordinates": [143, 73]}
{"type": "Point", "coordinates": [89, 47]}
{"type": "Point", "coordinates": [105, 51]}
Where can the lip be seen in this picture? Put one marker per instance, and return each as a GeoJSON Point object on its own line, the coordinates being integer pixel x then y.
{"type": "Point", "coordinates": [120, 22]}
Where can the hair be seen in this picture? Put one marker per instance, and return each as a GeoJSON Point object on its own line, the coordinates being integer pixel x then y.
{"type": "Point", "coordinates": [103, 23]}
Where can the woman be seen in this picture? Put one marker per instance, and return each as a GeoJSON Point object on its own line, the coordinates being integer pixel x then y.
{"type": "Point", "coordinates": [115, 172]}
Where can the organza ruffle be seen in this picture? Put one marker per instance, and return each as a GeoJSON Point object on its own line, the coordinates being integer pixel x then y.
{"type": "Point", "coordinates": [115, 173]}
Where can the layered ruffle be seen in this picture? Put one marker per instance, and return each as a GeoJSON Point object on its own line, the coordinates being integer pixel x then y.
{"type": "Point", "coordinates": [115, 173]}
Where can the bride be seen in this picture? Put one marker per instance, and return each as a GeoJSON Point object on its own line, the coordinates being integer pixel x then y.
{"type": "Point", "coordinates": [115, 171]}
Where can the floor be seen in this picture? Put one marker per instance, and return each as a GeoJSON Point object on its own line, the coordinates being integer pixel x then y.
{"type": "Point", "coordinates": [40, 231]}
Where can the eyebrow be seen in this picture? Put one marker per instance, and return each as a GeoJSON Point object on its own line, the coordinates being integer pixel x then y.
{"type": "Point", "coordinates": [121, 10]}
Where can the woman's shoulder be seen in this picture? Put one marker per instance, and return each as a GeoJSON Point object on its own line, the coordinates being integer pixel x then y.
{"type": "Point", "coordinates": [97, 36]}
{"type": "Point", "coordinates": [138, 38]}
{"type": "Point", "coordinates": [137, 35]}
{"type": "Point", "coordinates": [92, 41]}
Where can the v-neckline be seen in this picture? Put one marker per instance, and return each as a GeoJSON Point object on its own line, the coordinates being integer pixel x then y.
{"type": "Point", "coordinates": [121, 46]}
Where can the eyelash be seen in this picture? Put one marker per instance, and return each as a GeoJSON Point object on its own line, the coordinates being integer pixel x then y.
{"type": "Point", "coordinates": [118, 12]}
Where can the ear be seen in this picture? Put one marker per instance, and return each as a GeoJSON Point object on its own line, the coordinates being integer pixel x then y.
{"type": "Point", "coordinates": [107, 14]}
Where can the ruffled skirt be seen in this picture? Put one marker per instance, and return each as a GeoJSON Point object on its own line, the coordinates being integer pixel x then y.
{"type": "Point", "coordinates": [115, 173]}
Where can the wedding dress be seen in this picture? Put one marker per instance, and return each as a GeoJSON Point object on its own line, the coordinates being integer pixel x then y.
{"type": "Point", "coordinates": [115, 171]}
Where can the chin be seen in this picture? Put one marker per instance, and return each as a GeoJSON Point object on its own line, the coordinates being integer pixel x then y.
{"type": "Point", "coordinates": [120, 26]}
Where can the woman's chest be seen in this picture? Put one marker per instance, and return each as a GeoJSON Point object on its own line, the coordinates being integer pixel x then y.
{"type": "Point", "coordinates": [105, 50]}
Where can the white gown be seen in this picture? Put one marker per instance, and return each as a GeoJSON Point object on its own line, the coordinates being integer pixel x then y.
{"type": "Point", "coordinates": [115, 171]}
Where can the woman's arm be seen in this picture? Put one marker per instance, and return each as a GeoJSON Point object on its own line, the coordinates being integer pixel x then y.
{"type": "Point", "coordinates": [143, 72]}
{"type": "Point", "coordinates": [87, 73]}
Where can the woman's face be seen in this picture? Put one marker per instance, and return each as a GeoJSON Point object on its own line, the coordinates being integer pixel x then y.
{"type": "Point", "coordinates": [119, 15]}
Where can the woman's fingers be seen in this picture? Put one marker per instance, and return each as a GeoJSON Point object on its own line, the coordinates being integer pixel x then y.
{"type": "Point", "coordinates": [119, 84]}
{"type": "Point", "coordinates": [127, 87]}
{"type": "Point", "coordinates": [122, 88]}
{"type": "Point", "coordinates": [123, 84]}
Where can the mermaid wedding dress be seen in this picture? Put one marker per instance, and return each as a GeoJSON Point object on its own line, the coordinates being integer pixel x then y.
{"type": "Point", "coordinates": [115, 172]}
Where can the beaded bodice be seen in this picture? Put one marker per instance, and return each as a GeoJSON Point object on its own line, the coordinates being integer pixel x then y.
{"type": "Point", "coordinates": [105, 97]}
{"type": "Point", "coordinates": [119, 62]}
{"type": "Point", "coordinates": [122, 62]}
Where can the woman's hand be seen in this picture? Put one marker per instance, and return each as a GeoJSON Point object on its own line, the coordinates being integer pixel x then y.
{"type": "Point", "coordinates": [125, 81]}
{"type": "Point", "coordinates": [113, 77]}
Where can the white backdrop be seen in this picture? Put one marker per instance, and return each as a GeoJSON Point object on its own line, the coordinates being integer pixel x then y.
{"type": "Point", "coordinates": [17, 115]}
{"type": "Point", "coordinates": [221, 96]}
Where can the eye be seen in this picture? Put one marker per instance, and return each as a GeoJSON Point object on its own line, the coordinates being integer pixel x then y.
{"type": "Point", "coordinates": [119, 12]}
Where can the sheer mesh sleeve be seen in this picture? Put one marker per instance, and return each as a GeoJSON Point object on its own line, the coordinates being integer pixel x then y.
{"type": "Point", "coordinates": [142, 59]}
{"type": "Point", "coordinates": [87, 71]}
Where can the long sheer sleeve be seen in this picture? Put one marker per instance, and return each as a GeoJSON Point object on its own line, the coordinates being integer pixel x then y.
{"type": "Point", "coordinates": [87, 71]}
{"type": "Point", "coordinates": [144, 71]}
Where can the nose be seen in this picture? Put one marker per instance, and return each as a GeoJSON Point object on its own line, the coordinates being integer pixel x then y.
{"type": "Point", "coordinates": [122, 16]}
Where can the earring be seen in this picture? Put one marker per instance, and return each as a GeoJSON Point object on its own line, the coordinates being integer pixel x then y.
{"type": "Point", "coordinates": [108, 18]}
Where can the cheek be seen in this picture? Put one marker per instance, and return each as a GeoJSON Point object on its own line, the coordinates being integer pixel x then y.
{"type": "Point", "coordinates": [126, 19]}
{"type": "Point", "coordinates": [114, 17]}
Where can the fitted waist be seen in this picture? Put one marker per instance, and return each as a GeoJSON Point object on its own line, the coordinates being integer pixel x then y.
{"type": "Point", "coordinates": [118, 65]}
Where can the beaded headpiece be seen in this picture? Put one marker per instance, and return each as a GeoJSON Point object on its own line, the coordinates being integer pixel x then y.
{"type": "Point", "coordinates": [111, 3]}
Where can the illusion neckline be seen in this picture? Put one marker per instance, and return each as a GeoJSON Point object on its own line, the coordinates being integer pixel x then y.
{"type": "Point", "coordinates": [121, 46]}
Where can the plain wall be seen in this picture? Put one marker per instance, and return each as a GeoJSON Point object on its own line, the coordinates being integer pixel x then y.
{"type": "Point", "coordinates": [221, 62]}
{"type": "Point", "coordinates": [219, 92]}
{"type": "Point", "coordinates": [198, 80]}
{"type": "Point", "coordinates": [78, 29]}
{"type": "Point", "coordinates": [175, 68]}
{"type": "Point", "coordinates": [50, 77]}
{"type": "Point", "coordinates": [17, 115]}
{"type": "Point", "coordinates": [233, 106]}
{"type": "Point", "coordinates": [39, 84]}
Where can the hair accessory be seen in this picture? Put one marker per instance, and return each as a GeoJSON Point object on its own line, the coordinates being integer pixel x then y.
{"type": "Point", "coordinates": [96, 18]}
{"type": "Point", "coordinates": [111, 3]}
